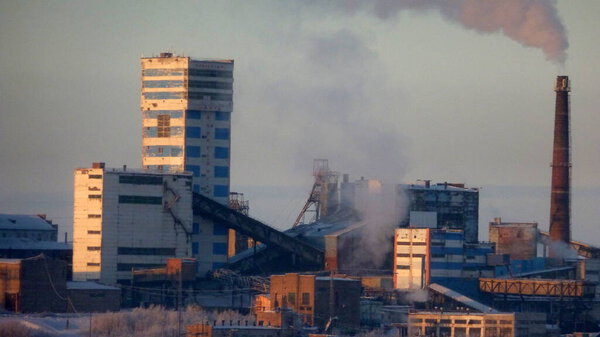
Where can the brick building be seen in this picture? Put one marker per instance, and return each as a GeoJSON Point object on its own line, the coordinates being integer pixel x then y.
{"type": "Point", "coordinates": [318, 298]}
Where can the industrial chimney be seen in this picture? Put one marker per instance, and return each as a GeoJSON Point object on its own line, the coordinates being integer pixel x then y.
{"type": "Point", "coordinates": [560, 198]}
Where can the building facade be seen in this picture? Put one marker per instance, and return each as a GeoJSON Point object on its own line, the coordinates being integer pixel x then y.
{"type": "Point", "coordinates": [451, 324]}
{"type": "Point", "coordinates": [444, 205]}
{"type": "Point", "coordinates": [125, 219]}
{"type": "Point", "coordinates": [313, 297]}
{"type": "Point", "coordinates": [518, 239]}
{"type": "Point", "coordinates": [426, 255]}
{"type": "Point", "coordinates": [186, 111]}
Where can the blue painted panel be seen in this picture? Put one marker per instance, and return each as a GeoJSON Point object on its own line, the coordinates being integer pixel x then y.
{"type": "Point", "coordinates": [221, 172]}
{"type": "Point", "coordinates": [446, 250]}
{"type": "Point", "coordinates": [221, 133]}
{"type": "Point", "coordinates": [222, 152]}
{"type": "Point", "coordinates": [195, 248]}
{"type": "Point", "coordinates": [222, 115]}
{"type": "Point", "coordinates": [155, 113]}
{"type": "Point", "coordinates": [219, 230]}
{"type": "Point", "coordinates": [192, 151]}
{"type": "Point", "coordinates": [221, 191]}
{"type": "Point", "coordinates": [194, 114]}
{"type": "Point", "coordinates": [192, 132]}
{"type": "Point", "coordinates": [196, 188]}
{"type": "Point", "coordinates": [163, 84]}
{"type": "Point", "coordinates": [219, 248]}
{"type": "Point", "coordinates": [446, 265]}
{"type": "Point", "coordinates": [195, 228]}
{"type": "Point", "coordinates": [164, 95]}
{"type": "Point", "coordinates": [195, 169]}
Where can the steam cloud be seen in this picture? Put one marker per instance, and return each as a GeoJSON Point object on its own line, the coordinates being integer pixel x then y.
{"type": "Point", "coordinates": [532, 23]}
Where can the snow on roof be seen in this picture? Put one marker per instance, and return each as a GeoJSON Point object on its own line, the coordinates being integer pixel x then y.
{"type": "Point", "coordinates": [30, 244]}
{"type": "Point", "coordinates": [24, 221]}
{"type": "Point", "coordinates": [10, 260]}
{"type": "Point", "coordinates": [86, 285]}
{"type": "Point", "coordinates": [462, 299]}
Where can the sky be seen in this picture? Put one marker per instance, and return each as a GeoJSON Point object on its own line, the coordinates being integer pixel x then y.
{"type": "Point", "coordinates": [390, 90]}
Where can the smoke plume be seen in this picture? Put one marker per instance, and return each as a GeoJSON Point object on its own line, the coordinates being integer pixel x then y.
{"type": "Point", "coordinates": [532, 23]}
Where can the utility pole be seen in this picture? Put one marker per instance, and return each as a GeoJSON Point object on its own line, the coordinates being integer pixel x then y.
{"type": "Point", "coordinates": [179, 301]}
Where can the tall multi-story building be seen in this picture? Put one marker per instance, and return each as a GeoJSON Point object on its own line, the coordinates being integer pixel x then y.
{"type": "Point", "coordinates": [186, 110]}
{"type": "Point", "coordinates": [444, 205]}
{"type": "Point", "coordinates": [125, 219]}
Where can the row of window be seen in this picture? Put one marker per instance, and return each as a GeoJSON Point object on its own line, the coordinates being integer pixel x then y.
{"type": "Point", "coordinates": [219, 171]}
{"type": "Point", "coordinates": [163, 151]}
{"type": "Point", "coordinates": [190, 84]}
{"type": "Point", "coordinates": [162, 131]}
{"type": "Point", "coordinates": [140, 199]}
{"type": "Point", "coordinates": [146, 251]}
{"type": "Point", "coordinates": [189, 72]}
{"type": "Point", "coordinates": [190, 114]}
{"type": "Point", "coordinates": [140, 180]}
{"type": "Point", "coordinates": [187, 95]}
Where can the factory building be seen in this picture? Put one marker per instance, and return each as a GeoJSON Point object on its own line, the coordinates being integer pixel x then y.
{"type": "Point", "coordinates": [444, 205]}
{"type": "Point", "coordinates": [317, 298]}
{"type": "Point", "coordinates": [517, 239]}
{"type": "Point", "coordinates": [426, 255]}
{"type": "Point", "coordinates": [186, 113]}
{"type": "Point", "coordinates": [439, 323]}
{"type": "Point", "coordinates": [125, 220]}
{"type": "Point", "coordinates": [24, 235]}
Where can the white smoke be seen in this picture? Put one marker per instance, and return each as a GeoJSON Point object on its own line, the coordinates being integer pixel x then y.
{"type": "Point", "coordinates": [420, 295]}
{"type": "Point", "coordinates": [532, 23]}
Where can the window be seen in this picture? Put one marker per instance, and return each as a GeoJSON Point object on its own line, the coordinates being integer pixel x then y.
{"type": "Point", "coordinates": [305, 299]}
{"type": "Point", "coordinates": [221, 172]}
{"type": "Point", "coordinates": [94, 232]}
{"type": "Point", "coordinates": [222, 152]}
{"type": "Point", "coordinates": [210, 85]}
{"type": "Point", "coordinates": [145, 251]}
{"type": "Point", "coordinates": [221, 115]}
{"type": "Point", "coordinates": [138, 199]}
{"type": "Point", "coordinates": [219, 248]}
{"type": "Point", "coordinates": [192, 151]}
{"type": "Point", "coordinates": [196, 189]}
{"type": "Point", "coordinates": [164, 126]}
{"type": "Point", "coordinates": [402, 267]}
{"type": "Point", "coordinates": [221, 191]}
{"type": "Point", "coordinates": [162, 72]}
{"type": "Point", "coordinates": [210, 73]}
{"type": "Point", "coordinates": [95, 176]}
{"type": "Point", "coordinates": [194, 114]}
{"type": "Point", "coordinates": [95, 196]}
{"type": "Point", "coordinates": [195, 228]}
{"type": "Point", "coordinates": [94, 216]}
{"type": "Point", "coordinates": [221, 133]}
{"type": "Point", "coordinates": [93, 264]}
{"type": "Point", "coordinates": [211, 95]}
{"type": "Point", "coordinates": [164, 95]}
{"type": "Point", "coordinates": [93, 248]}
{"type": "Point", "coordinates": [292, 298]}
{"type": "Point", "coordinates": [195, 169]}
{"type": "Point", "coordinates": [130, 266]}
{"type": "Point", "coordinates": [162, 84]}
{"type": "Point", "coordinates": [140, 180]}
{"type": "Point", "coordinates": [195, 248]}
{"type": "Point", "coordinates": [163, 151]}
{"type": "Point", "coordinates": [219, 230]}
{"type": "Point", "coordinates": [192, 131]}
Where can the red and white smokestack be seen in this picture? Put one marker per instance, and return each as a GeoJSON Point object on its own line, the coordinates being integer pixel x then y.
{"type": "Point", "coordinates": [560, 199]}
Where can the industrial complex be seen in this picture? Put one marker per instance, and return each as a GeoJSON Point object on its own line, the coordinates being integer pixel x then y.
{"type": "Point", "coordinates": [403, 258]}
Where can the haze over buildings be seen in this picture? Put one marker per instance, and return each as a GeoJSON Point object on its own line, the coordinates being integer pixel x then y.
{"type": "Point", "coordinates": [404, 99]}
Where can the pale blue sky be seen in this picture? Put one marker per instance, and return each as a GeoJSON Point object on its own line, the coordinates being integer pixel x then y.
{"type": "Point", "coordinates": [413, 96]}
